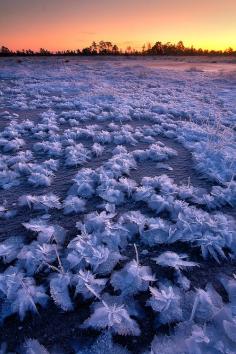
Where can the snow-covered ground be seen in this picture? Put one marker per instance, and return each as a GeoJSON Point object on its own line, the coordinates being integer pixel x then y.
{"type": "Point", "coordinates": [117, 205]}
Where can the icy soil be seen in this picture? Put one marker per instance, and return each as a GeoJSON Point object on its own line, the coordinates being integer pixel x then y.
{"type": "Point", "coordinates": [117, 205]}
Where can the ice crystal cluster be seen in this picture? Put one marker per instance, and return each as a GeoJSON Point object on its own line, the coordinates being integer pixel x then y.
{"type": "Point", "coordinates": [117, 207]}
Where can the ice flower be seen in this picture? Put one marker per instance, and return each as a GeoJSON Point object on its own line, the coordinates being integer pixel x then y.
{"type": "Point", "coordinates": [172, 259]}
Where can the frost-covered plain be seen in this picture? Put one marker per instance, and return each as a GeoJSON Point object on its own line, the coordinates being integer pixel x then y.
{"type": "Point", "coordinates": [117, 206]}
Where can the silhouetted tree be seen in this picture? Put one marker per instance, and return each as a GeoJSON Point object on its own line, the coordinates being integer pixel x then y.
{"type": "Point", "coordinates": [109, 48]}
{"type": "Point", "coordinates": [157, 48]}
{"type": "Point", "coordinates": [229, 51]}
{"type": "Point", "coordinates": [129, 50]}
{"type": "Point", "coordinates": [5, 51]}
{"type": "Point", "coordinates": [180, 47]}
{"type": "Point", "coordinates": [86, 51]}
{"type": "Point", "coordinates": [115, 49]}
{"type": "Point", "coordinates": [94, 48]}
{"type": "Point", "coordinates": [43, 51]}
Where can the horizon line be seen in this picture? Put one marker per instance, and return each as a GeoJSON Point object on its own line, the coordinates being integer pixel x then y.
{"type": "Point", "coordinates": [122, 48]}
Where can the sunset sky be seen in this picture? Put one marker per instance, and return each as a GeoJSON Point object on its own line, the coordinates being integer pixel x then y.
{"type": "Point", "coordinates": [72, 24]}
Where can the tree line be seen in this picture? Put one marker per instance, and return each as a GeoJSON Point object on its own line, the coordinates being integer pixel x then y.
{"type": "Point", "coordinates": [108, 48]}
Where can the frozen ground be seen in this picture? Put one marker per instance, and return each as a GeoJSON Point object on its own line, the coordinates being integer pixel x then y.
{"type": "Point", "coordinates": [117, 205]}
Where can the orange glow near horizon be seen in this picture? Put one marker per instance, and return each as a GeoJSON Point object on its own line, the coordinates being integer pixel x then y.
{"type": "Point", "coordinates": [72, 24]}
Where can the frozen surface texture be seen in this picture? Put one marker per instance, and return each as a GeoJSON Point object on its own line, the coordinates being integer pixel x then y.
{"type": "Point", "coordinates": [117, 206]}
